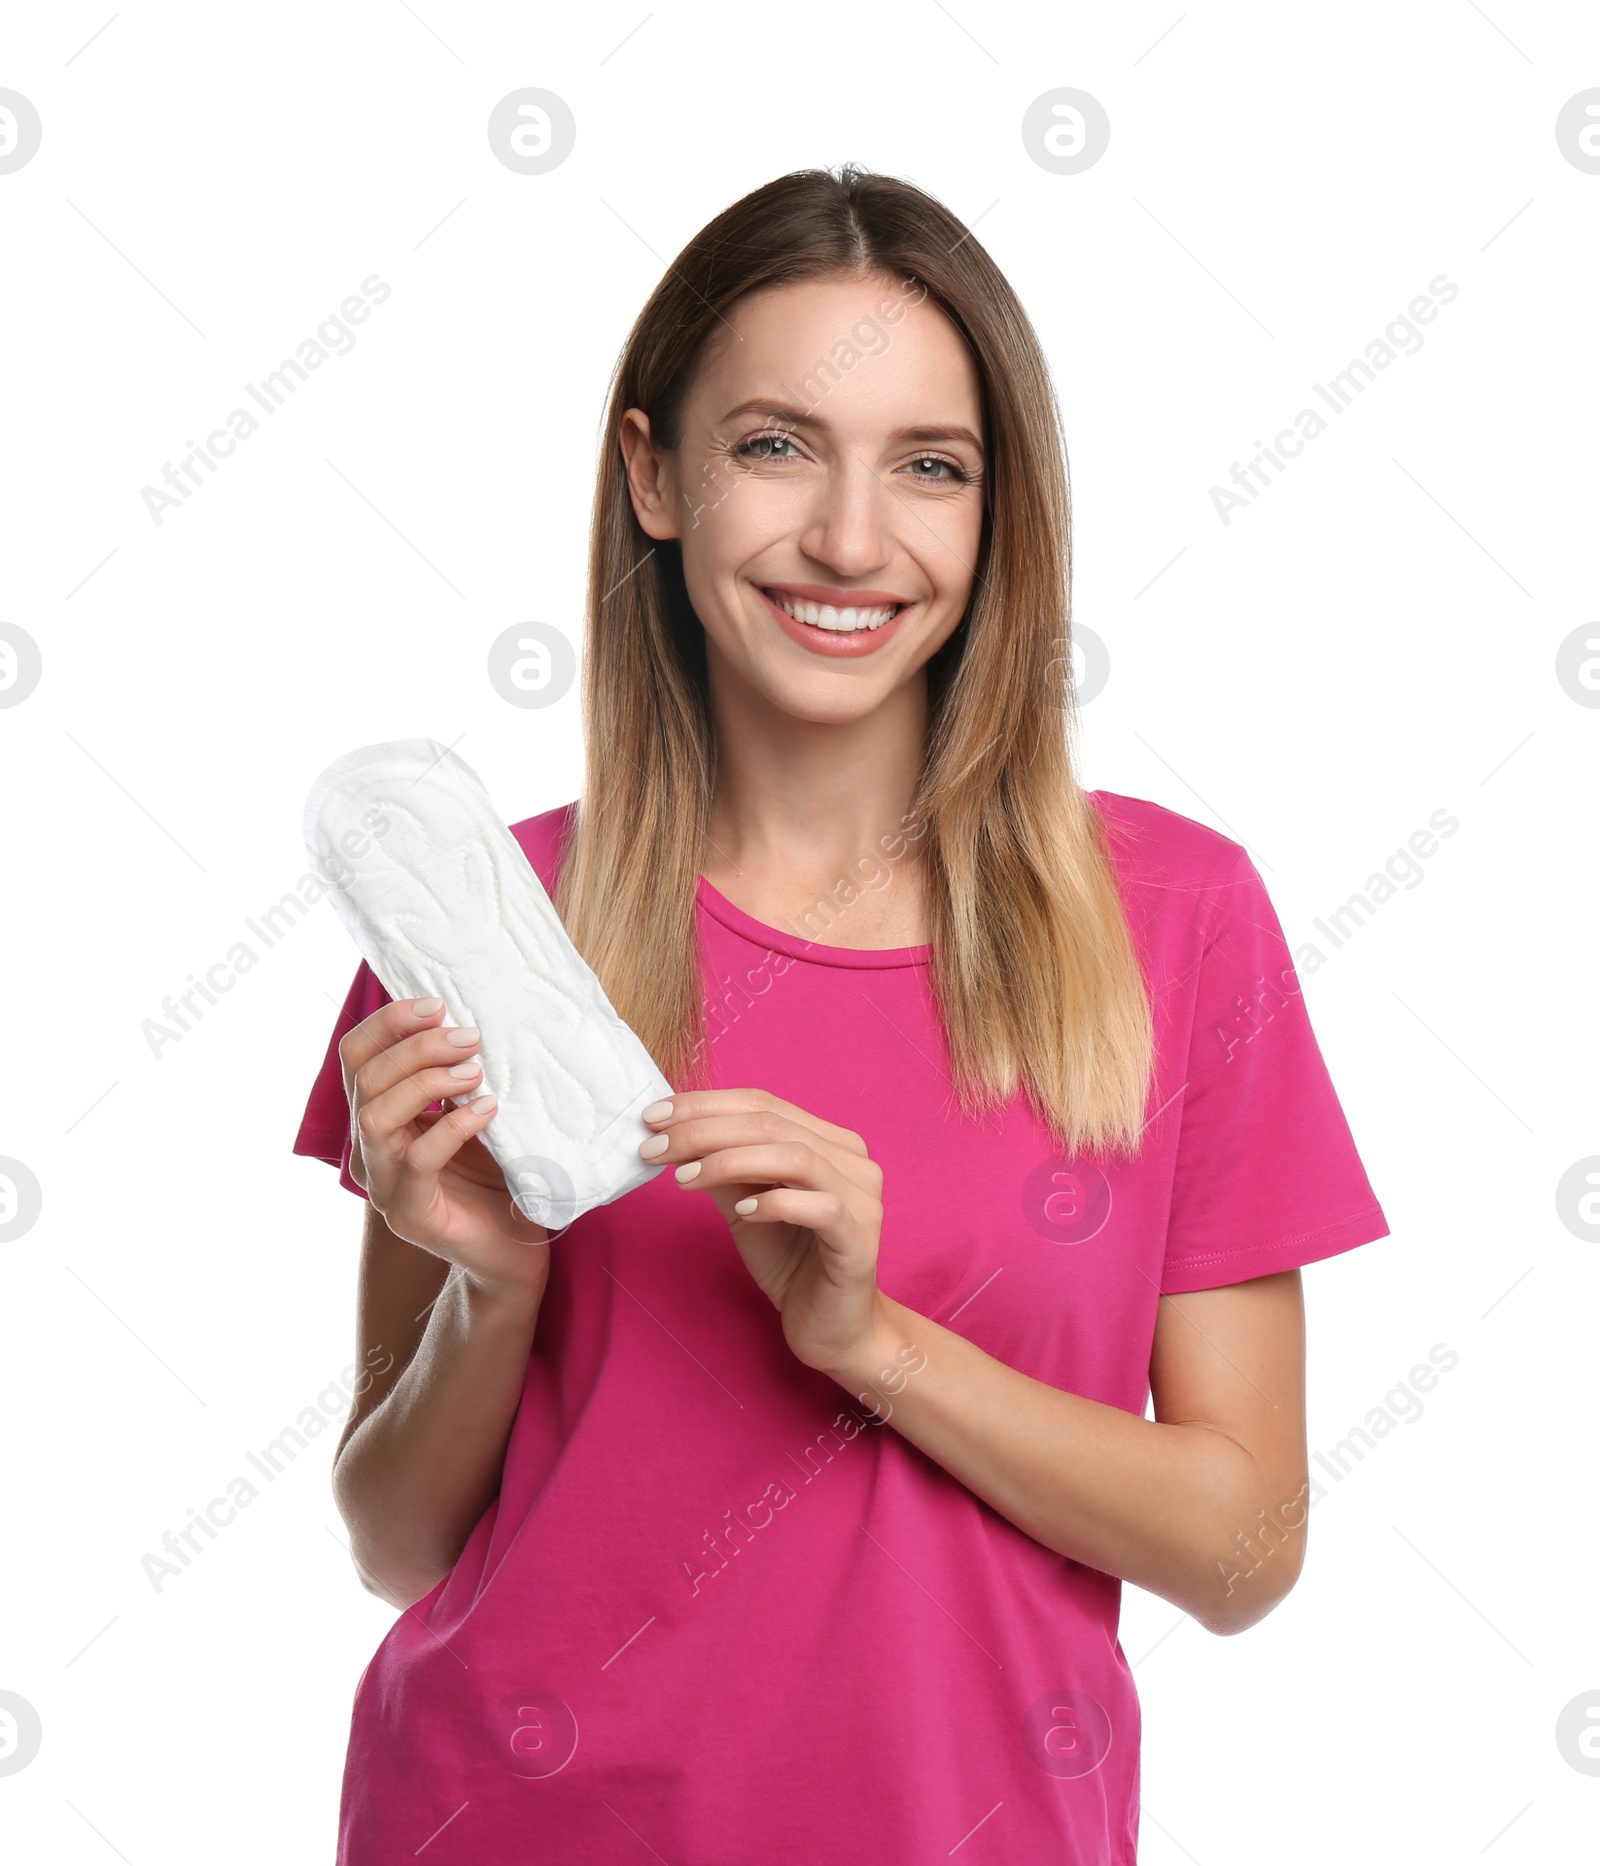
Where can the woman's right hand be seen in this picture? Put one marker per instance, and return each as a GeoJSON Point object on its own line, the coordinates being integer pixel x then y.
{"type": "Point", "coordinates": [428, 1174]}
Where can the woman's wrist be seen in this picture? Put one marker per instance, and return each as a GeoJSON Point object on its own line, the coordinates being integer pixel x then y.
{"type": "Point", "coordinates": [876, 1368]}
{"type": "Point", "coordinates": [502, 1305]}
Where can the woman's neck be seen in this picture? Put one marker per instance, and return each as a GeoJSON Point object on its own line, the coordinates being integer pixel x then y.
{"type": "Point", "coordinates": [806, 811]}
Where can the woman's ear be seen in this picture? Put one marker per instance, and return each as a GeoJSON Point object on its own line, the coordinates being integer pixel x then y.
{"type": "Point", "coordinates": [652, 477]}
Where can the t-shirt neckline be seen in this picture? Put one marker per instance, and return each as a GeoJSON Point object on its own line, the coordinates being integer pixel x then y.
{"type": "Point", "coordinates": [776, 939]}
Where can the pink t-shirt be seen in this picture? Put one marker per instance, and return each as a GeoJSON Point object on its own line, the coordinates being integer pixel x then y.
{"type": "Point", "coordinates": [719, 1614]}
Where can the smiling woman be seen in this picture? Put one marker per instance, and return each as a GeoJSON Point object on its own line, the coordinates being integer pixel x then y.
{"type": "Point", "coordinates": [903, 477]}
{"type": "Point", "coordinates": [978, 1128]}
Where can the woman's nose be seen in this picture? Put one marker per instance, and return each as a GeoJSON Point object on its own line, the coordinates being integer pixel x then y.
{"type": "Point", "coordinates": [852, 521]}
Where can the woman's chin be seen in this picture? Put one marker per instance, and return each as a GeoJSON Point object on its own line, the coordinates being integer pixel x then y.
{"type": "Point", "coordinates": [822, 698]}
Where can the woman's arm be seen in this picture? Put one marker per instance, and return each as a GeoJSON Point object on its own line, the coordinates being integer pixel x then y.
{"type": "Point", "coordinates": [1161, 1502]}
{"type": "Point", "coordinates": [452, 1277]}
{"type": "Point", "coordinates": [1204, 1505]}
{"type": "Point", "coordinates": [421, 1454]}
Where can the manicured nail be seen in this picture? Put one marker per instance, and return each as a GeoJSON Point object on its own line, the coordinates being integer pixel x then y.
{"type": "Point", "coordinates": [687, 1172]}
{"type": "Point", "coordinates": [471, 1067]}
{"type": "Point", "coordinates": [485, 1104]}
{"type": "Point", "coordinates": [745, 1207]}
{"type": "Point", "coordinates": [463, 1034]}
{"type": "Point", "coordinates": [656, 1144]}
{"type": "Point", "coordinates": [657, 1111]}
{"type": "Point", "coordinates": [425, 1007]}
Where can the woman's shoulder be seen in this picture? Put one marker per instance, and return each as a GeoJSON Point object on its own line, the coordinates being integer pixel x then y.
{"type": "Point", "coordinates": [1157, 848]}
{"type": "Point", "coordinates": [542, 839]}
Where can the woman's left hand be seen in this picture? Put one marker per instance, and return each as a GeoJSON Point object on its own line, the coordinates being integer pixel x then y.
{"type": "Point", "coordinates": [804, 1204]}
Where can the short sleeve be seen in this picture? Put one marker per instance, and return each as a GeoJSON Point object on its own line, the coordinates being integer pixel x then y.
{"type": "Point", "coordinates": [325, 1127]}
{"type": "Point", "coordinates": [1267, 1176]}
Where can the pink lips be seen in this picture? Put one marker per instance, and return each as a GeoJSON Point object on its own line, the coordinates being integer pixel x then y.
{"type": "Point", "coordinates": [829, 641]}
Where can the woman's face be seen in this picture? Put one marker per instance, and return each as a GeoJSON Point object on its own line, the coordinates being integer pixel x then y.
{"type": "Point", "coordinates": [829, 477]}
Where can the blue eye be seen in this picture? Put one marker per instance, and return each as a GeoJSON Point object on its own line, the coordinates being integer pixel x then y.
{"type": "Point", "coordinates": [936, 460]}
{"type": "Point", "coordinates": [954, 474]}
{"type": "Point", "coordinates": [746, 449]}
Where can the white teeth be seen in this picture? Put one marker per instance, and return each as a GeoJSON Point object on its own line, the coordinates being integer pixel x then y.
{"type": "Point", "coordinates": [841, 621]}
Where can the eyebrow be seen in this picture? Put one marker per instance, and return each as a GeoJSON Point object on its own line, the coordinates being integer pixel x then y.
{"type": "Point", "coordinates": [794, 418]}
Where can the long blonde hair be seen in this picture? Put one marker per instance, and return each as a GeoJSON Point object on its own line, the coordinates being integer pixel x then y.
{"type": "Point", "coordinates": [1034, 969]}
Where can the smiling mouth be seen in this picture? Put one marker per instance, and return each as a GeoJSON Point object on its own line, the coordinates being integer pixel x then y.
{"type": "Point", "coordinates": [834, 621]}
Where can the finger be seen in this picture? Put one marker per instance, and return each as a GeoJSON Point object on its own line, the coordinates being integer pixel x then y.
{"type": "Point", "coordinates": [380, 1118]}
{"type": "Point", "coordinates": [384, 1124]}
{"type": "Point", "coordinates": [415, 1167]}
{"type": "Point", "coordinates": [385, 1027]}
{"type": "Point", "coordinates": [695, 1102]}
{"type": "Point", "coordinates": [843, 1235]}
{"type": "Point", "coordinates": [784, 1205]}
{"type": "Point", "coordinates": [789, 1163]}
{"type": "Point", "coordinates": [697, 1136]}
{"type": "Point", "coordinates": [477, 1164]}
{"type": "Point", "coordinates": [447, 1062]}
{"type": "Point", "coordinates": [425, 1049]}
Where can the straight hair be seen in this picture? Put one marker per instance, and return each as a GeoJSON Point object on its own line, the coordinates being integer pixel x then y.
{"type": "Point", "coordinates": [1033, 966]}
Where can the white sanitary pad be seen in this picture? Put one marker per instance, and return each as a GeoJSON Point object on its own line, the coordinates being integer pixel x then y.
{"type": "Point", "coordinates": [443, 903]}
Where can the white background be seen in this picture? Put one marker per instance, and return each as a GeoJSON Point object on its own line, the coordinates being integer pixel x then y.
{"type": "Point", "coordinates": [1372, 640]}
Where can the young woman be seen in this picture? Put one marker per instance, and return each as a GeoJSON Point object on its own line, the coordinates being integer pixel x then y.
{"type": "Point", "coordinates": [778, 1512]}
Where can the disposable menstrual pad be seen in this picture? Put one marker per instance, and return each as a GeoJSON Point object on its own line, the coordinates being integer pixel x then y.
{"type": "Point", "coordinates": [442, 902]}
